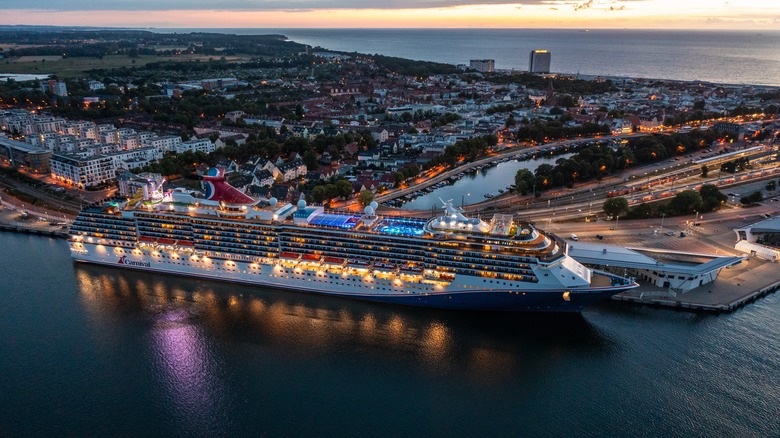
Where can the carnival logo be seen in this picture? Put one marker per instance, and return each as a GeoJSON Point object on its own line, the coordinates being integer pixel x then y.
{"type": "Point", "coordinates": [123, 261]}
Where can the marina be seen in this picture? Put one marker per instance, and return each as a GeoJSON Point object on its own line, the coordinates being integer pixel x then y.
{"type": "Point", "coordinates": [476, 185]}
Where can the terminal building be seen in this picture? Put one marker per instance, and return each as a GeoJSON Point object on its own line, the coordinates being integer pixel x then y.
{"type": "Point", "coordinates": [539, 61]}
{"type": "Point", "coordinates": [672, 271]}
{"type": "Point", "coordinates": [761, 239]}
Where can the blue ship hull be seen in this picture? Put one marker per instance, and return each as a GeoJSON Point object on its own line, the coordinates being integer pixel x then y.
{"type": "Point", "coordinates": [538, 301]}
{"type": "Point", "coordinates": [488, 301]}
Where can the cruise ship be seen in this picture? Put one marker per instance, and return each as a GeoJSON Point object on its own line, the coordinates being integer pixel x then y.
{"type": "Point", "coordinates": [448, 262]}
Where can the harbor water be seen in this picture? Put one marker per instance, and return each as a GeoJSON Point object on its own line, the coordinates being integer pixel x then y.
{"type": "Point", "coordinates": [90, 350]}
{"type": "Point", "coordinates": [480, 185]}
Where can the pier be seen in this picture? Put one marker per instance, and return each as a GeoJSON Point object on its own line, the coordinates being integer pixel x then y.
{"type": "Point", "coordinates": [21, 221]}
{"type": "Point", "coordinates": [720, 298]}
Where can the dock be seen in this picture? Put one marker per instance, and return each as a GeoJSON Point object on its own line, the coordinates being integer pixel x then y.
{"type": "Point", "coordinates": [22, 228]}
{"type": "Point", "coordinates": [12, 220]}
{"type": "Point", "coordinates": [734, 288]}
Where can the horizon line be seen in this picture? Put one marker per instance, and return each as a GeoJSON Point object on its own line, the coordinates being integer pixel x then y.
{"type": "Point", "coordinates": [759, 30]}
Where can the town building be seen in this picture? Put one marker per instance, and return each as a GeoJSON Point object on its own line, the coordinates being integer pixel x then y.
{"type": "Point", "coordinates": [165, 143]}
{"type": "Point", "coordinates": [54, 87]}
{"type": "Point", "coordinates": [483, 65]}
{"type": "Point", "coordinates": [82, 172]}
{"type": "Point", "coordinates": [22, 155]}
{"type": "Point", "coordinates": [196, 145]}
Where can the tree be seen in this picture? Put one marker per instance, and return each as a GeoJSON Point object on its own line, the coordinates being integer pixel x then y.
{"type": "Point", "coordinates": [310, 159]}
{"type": "Point", "coordinates": [711, 197]}
{"type": "Point", "coordinates": [319, 194]}
{"type": "Point", "coordinates": [642, 211]}
{"type": "Point", "coordinates": [686, 202]}
{"type": "Point", "coordinates": [615, 206]}
{"type": "Point", "coordinates": [771, 186]}
{"type": "Point", "coordinates": [365, 197]}
{"type": "Point", "coordinates": [753, 198]}
{"type": "Point", "coordinates": [524, 181]}
{"type": "Point", "coordinates": [704, 171]}
{"type": "Point", "coordinates": [344, 188]}
{"type": "Point", "coordinates": [510, 121]}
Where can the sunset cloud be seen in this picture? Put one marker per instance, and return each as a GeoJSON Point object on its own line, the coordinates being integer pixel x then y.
{"type": "Point", "coordinates": [647, 14]}
{"type": "Point", "coordinates": [288, 5]}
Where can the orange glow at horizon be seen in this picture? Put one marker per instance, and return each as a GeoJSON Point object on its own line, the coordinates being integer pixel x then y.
{"type": "Point", "coordinates": [655, 14]}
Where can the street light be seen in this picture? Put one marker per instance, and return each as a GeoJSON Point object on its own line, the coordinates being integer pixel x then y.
{"type": "Point", "coordinates": [463, 198]}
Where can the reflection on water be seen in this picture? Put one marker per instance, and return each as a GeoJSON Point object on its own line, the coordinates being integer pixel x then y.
{"type": "Point", "coordinates": [189, 313]}
{"type": "Point", "coordinates": [177, 345]}
{"type": "Point", "coordinates": [128, 353]}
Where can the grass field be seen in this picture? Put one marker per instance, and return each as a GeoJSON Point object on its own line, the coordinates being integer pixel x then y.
{"type": "Point", "coordinates": [6, 46]}
{"type": "Point", "coordinates": [47, 58]}
{"type": "Point", "coordinates": [76, 67]}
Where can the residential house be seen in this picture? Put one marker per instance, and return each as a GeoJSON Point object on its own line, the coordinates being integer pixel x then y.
{"type": "Point", "coordinates": [263, 177]}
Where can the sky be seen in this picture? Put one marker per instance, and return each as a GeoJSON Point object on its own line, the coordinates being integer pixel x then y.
{"type": "Point", "coordinates": [279, 14]}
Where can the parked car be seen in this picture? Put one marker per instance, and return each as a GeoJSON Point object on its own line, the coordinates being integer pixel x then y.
{"type": "Point", "coordinates": [670, 233]}
{"type": "Point", "coordinates": [599, 236]}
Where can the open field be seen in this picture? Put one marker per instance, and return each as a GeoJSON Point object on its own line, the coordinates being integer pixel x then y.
{"type": "Point", "coordinates": [7, 46]}
{"type": "Point", "coordinates": [48, 58]}
{"type": "Point", "coordinates": [78, 66]}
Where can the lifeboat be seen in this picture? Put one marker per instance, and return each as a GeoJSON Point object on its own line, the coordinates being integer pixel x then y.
{"type": "Point", "coordinates": [147, 239]}
{"type": "Point", "coordinates": [163, 241]}
{"type": "Point", "coordinates": [311, 258]}
{"type": "Point", "coordinates": [289, 256]}
{"type": "Point", "coordinates": [411, 269]}
{"type": "Point", "coordinates": [184, 245]}
{"type": "Point", "coordinates": [334, 261]}
{"type": "Point", "coordinates": [386, 267]}
{"type": "Point", "coordinates": [358, 263]}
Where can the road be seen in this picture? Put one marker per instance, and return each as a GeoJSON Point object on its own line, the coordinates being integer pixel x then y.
{"type": "Point", "coordinates": [56, 202]}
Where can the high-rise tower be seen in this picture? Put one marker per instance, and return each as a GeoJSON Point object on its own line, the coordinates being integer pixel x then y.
{"type": "Point", "coordinates": [539, 61]}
